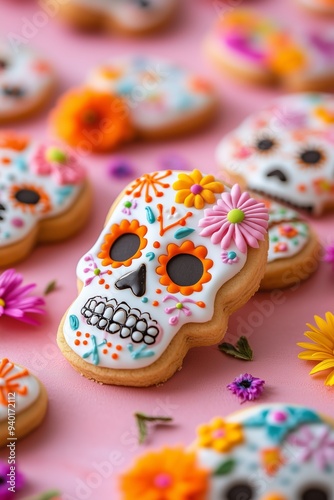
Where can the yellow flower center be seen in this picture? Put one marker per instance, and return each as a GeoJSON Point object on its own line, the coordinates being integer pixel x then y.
{"type": "Point", "coordinates": [235, 216]}
{"type": "Point", "coordinates": [56, 155]}
{"type": "Point", "coordinates": [2, 303]}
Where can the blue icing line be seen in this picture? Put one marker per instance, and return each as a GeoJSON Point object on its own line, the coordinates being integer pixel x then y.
{"type": "Point", "coordinates": [124, 87]}
{"type": "Point", "coordinates": [94, 351]}
{"type": "Point", "coordinates": [141, 352]}
{"type": "Point", "coordinates": [182, 233]}
{"type": "Point", "coordinates": [74, 322]}
{"type": "Point", "coordinates": [150, 215]}
{"type": "Point", "coordinates": [150, 255]}
{"type": "Point", "coordinates": [64, 192]}
{"type": "Point", "coordinates": [21, 164]}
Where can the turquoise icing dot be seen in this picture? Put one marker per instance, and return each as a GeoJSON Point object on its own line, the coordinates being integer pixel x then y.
{"type": "Point", "coordinates": [21, 164]}
{"type": "Point", "coordinates": [231, 255]}
{"type": "Point", "coordinates": [144, 299]}
{"type": "Point", "coordinates": [150, 255]}
{"type": "Point", "coordinates": [74, 322]}
{"type": "Point", "coordinates": [183, 232]}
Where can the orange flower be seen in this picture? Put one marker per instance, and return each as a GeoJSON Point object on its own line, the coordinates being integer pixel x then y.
{"type": "Point", "coordinates": [166, 475]}
{"type": "Point", "coordinates": [91, 120]}
{"type": "Point", "coordinates": [272, 460]}
{"type": "Point", "coordinates": [194, 264]}
{"type": "Point", "coordinates": [123, 244]}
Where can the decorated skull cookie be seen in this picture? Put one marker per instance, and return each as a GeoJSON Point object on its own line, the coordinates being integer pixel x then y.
{"type": "Point", "coordinates": [258, 49]}
{"type": "Point", "coordinates": [26, 82]}
{"type": "Point", "coordinates": [42, 192]}
{"type": "Point", "coordinates": [294, 248]}
{"type": "Point", "coordinates": [286, 151]}
{"type": "Point", "coordinates": [133, 97]}
{"type": "Point", "coordinates": [164, 275]}
{"type": "Point", "coordinates": [268, 452]}
{"type": "Point", "coordinates": [131, 16]}
{"type": "Point", "coordinates": [23, 401]}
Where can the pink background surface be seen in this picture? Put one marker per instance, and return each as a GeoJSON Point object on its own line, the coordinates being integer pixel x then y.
{"type": "Point", "coordinates": [87, 423]}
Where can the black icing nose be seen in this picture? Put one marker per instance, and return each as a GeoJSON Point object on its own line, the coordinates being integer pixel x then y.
{"type": "Point", "coordinates": [135, 280]}
{"type": "Point", "coordinates": [278, 174]}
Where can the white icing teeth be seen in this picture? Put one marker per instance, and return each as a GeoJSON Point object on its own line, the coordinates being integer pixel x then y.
{"type": "Point", "coordinates": [114, 318]}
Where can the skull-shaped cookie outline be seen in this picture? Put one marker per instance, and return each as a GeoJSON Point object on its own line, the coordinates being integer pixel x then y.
{"type": "Point", "coordinates": [284, 452]}
{"type": "Point", "coordinates": [149, 273]}
{"type": "Point", "coordinates": [286, 151]}
{"type": "Point", "coordinates": [34, 186]}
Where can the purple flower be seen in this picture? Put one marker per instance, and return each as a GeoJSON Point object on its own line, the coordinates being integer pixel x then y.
{"type": "Point", "coordinates": [329, 255]}
{"type": "Point", "coordinates": [247, 387]}
{"type": "Point", "coordinates": [14, 298]}
{"type": "Point", "coordinates": [121, 168]}
{"type": "Point", "coordinates": [4, 485]}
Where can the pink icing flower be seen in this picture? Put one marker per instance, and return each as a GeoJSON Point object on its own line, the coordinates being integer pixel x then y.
{"type": "Point", "coordinates": [236, 217]}
{"type": "Point", "coordinates": [59, 162]}
{"type": "Point", "coordinates": [14, 298]}
{"type": "Point", "coordinates": [314, 446]}
{"type": "Point", "coordinates": [179, 307]}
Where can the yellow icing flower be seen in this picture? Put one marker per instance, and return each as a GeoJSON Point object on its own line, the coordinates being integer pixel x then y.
{"type": "Point", "coordinates": [220, 435]}
{"type": "Point", "coordinates": [323, 348]}
{"type": "Point", "coordinates": [194, 190]}
{"type": "Point", "coordinates": [166, 475]}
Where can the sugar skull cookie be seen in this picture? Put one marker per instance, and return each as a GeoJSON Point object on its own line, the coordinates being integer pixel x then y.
{"type": "Point", "coordinates": [286, 151]}
{"type": "Point", "coordinates": [257, 49]}
{"type": "Point", "coordinates": [134, 17]}
{"type": "Point", "coordinates": [23, 402]}
{"type": "Point", "coordinates": [26, 83]}
{"type": "Point", "coordinates": [294, 248]}
{"type": "Point", "coordinates": [179, 253]}
{"type": "Point", "coordinates": [268, 452]}
{"type": "Point", "coordinates": [133, 97]}
{"type": "Point", "coordinates": [44, 195]}
{"type": "Point", "coordinates": [321, 6]}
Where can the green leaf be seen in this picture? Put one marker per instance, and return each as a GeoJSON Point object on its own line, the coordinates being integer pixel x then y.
{"type": "Point", "coordinates": [241, 351]}
{"type": "Point", "coordinates": [225, 468]}
{"type": "Point", "coordinates": [142, 420]}
{"type": "Point", "coordinates": [50, 287]}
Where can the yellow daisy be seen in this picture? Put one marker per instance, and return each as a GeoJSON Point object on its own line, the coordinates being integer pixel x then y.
{"type": "Point", "coordinates": [323, 348]}
{"type": "Point", "coordinates": [220, 435]}
{"type": "Point", "coordinates": [195, 190]}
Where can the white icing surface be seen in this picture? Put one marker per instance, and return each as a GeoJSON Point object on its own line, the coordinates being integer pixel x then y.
{"type": "Point", "coordinates": [158, 93]}
{"type": "Point", "coordinates": [220, 274]}
{"type": "Point", "coordinates": [18, 173]}
{"type": "Point", "coordinates": [130, 14]}
{"type": "Point", "coordinates": [305, 130]}
{"type": "Point", "coordinates": [294, 476]}
{"type": "Point", "coordinates": [22, 402]}
{"type": "Point", "coordinates": [28, 71]}
{"type": "Point", "coordinates": [284, 247]}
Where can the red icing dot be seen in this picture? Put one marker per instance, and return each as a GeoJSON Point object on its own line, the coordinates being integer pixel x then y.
{"type": "Point", "coordinates": [87, 335]}
{"type": "Point", "coordinates": [78, 334]}
{"type": "Point", "coordinates": [119, 347]}
{"type": "Point", "coordinates": [101, 282]}
{"type": "Point", "coordinates": [77, 342]}
{"type": "Point", "coordinates": [85, 342]}
{"type": "Point", "coordinates": [156, 244]}
{"type": "Point", "coordinates": [106, 287]}
{"type": "Point", "coordinates": [114, 356]}
{"type": "Point", "coordinates": [105, 351]}
{"type": "Point", "coordinates": [109, 344]}
{"type": "Point", "coordinates": [302, 188]}
{"type": "Point", "coordinates": [155, 303]}
{"type": "Point", "coordinates": [109, 272]}
{"type": "Point", "coordinates": [158, 290]}
{"type": "Point", "coordinates": [6, 160]}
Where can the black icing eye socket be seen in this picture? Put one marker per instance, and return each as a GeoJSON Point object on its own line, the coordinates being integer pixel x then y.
{"type": "Point", "coordinates": [278, 174]}
{"type": "Point", "coordinates": [27, 196]}
{"type": "Point", "coordinates": [239, 492]}
{"type": "Point", "coordinates": [124, 247]}
{"type": "Point", "coordinates": [2, 209]}
{"type": "Point", "coordinates": [315, 494]}
{"type": "Point", "coordinates": [12, 91]}
{"type": "Point", "coordinates": [185, 269]}
{"type": "Point", "coordinates": [3, 64]}
{"type": "Point", "coordinates": [265, 144]}
{"type": "Point", "coordinates": [144, 4]}
{"type": "Point", "coordinates": [311, 158]}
